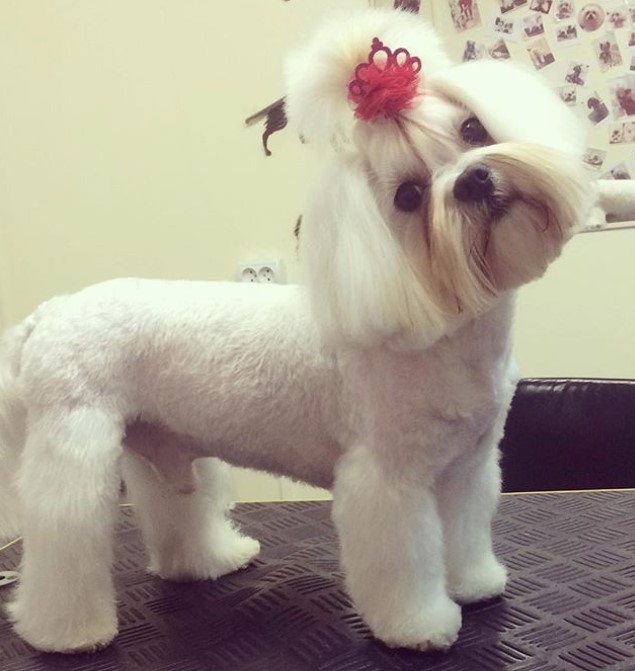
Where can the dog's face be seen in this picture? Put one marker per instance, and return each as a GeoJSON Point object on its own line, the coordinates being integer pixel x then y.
{"type": "Point", "coordinates": [591, 17]}
{"type": "Point", "coordinates": [617, 19]}
{"type": "Point", "coordinates": [473, 217]}
{"type": "Point", "coordinates": [437, 211]}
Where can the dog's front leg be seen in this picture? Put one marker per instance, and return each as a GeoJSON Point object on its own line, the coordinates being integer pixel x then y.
{"type": "Point", "coordinates": [392, 553]}
{"type": "Point", "coordinates": [468, 494]}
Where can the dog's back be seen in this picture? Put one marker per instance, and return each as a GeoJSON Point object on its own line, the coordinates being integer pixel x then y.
{"type": "Point", "coordinates": [183, 354]}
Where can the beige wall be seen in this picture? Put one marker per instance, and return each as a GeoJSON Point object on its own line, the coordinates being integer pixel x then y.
{"type": "Point", "coordinates": [123, 152]}
{"type": "Point", "coordinates": [579, 320]}
{"type": "Point", "coordinates": [122, 145]}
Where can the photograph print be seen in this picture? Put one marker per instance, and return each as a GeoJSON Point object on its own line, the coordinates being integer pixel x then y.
{"type": "Point", "coordinates": [577, 73]}
{"type": "Point", "coordinates": [508, 5]}
{"type": "Point", "coordinates": [540, 53]}
{"type": "Point", "coordinates": [465, 14]}
{"type": "Point", "coordinates": [607, 51]}
{"type": "Point", "coordinates": [622, 95]}
{"type": "Point", "coordinates": [595, 107]}
{"type": "Point", "coordinates": [567, 34]}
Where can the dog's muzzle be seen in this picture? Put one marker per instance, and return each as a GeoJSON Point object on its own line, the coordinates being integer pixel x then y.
{"type": "Point", "coordinates": [475, 184]}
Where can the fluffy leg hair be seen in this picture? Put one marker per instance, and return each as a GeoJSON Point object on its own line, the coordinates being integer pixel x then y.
{"type": "Point", "coordinates": [188, 535]}
{"type": "Point", "coordinates": [65, 599]}
{"type": "Point", "coordinates": [467, 495]}
{"type": "Point", "coordinates": [391, 542]}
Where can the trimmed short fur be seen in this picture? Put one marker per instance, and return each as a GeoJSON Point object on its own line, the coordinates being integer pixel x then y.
{"type": "Point", "coordinates": [386, 377]}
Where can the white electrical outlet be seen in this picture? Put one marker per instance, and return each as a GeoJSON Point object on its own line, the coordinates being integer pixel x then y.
{"type": "Point", "coordinates": [263, 272]}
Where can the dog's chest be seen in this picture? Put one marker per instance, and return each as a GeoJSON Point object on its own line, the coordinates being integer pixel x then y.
{"type": "Point", "coordinates": [438, 402]}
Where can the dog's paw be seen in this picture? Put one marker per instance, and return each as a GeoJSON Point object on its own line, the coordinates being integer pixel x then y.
{"type": "Point", "coordinates": [55, 633]}
{"type": "Point", "coordinates": [479, 583]}
{"type": "Point", "coordinates": [435, 627]}
{"type": "Point", "coordinates": [234, 553]}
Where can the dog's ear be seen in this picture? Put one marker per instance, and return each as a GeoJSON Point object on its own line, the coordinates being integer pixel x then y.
{"type": "Point", "coordinates": [318, 73]}
{"type": "Point", "coordinates": [529, 111]}
{"type": "Point", "coordinates": [363, 288]}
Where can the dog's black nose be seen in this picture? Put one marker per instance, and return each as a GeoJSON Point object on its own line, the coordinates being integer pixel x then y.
{"type": "Point", "coordinates": [474, 184]}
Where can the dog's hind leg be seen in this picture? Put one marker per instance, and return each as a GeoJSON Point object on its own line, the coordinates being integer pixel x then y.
{"type": "Point", "coordinates": [9, 506]}
{"type": "Point", "coordinates": [68, 485]}
{"type": "Point", "coordinates": [12, 426]}
{"type": "Point", "coordinates": [392, 553]}
{"type": "Point", "coordinates": [188, 534]}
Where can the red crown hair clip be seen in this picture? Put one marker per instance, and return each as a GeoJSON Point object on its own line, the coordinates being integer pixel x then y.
{"type": "Point", "coordinates": [386, 84]}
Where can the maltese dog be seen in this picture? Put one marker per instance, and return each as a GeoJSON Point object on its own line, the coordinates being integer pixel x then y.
{"type": "Point", "coordinates": [386, 377]}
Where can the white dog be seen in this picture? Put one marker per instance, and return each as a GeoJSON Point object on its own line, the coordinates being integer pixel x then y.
{"type": "Point", "coordinates": [387, 379]}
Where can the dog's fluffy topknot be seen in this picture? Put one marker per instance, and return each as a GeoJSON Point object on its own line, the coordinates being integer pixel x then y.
{"type": "Point", "coordinates": [545, 121]}
{"type": "Point", "coordinates": [318, 73]}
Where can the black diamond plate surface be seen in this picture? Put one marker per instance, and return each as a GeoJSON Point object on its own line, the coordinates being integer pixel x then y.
{"type": "Point", "coordinates": [569, 606]}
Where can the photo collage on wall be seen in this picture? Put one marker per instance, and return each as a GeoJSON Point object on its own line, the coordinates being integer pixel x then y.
{"type": "Point", "coordinates": [586, 50]}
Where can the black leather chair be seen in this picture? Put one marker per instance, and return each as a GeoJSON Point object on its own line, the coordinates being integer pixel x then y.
{"type": "Point", "coordinates": [570, 434]}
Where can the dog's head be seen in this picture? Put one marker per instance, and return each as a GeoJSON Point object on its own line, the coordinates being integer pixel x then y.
{"type": "Point", "coordinates": [617, 19]}
{"type": "Point", "coordinates": [458, 182]}
{"type": "Point", "coordinates": [591, 17]}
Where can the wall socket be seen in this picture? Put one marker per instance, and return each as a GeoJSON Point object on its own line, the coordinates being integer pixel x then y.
{"type": "Point", "coordinates": [263, 272]}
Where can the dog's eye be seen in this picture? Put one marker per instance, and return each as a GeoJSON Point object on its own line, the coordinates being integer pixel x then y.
{"type": "Point", "coordinates": [473, 131]}
{"type": "Point", "coordinates": [409, 197]}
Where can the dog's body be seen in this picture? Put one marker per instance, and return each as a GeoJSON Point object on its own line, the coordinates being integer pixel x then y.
{"type": "Point", "coordinates": [239, 372]}
{"type": "Point", "coordinates": [387, 378]}
{"type": "Point", "coordinates": [236, 367]}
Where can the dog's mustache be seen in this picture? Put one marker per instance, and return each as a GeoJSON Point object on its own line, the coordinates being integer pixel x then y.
{"type": "Point", "coordinates": [493, 177]}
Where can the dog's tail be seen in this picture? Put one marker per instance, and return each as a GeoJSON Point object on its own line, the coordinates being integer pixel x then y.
{"type": "Point", "coordinates": [12, 424]}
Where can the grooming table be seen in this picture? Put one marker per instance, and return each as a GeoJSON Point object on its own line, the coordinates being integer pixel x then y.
{"type": "Point", "coordinates": [570, 603]}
